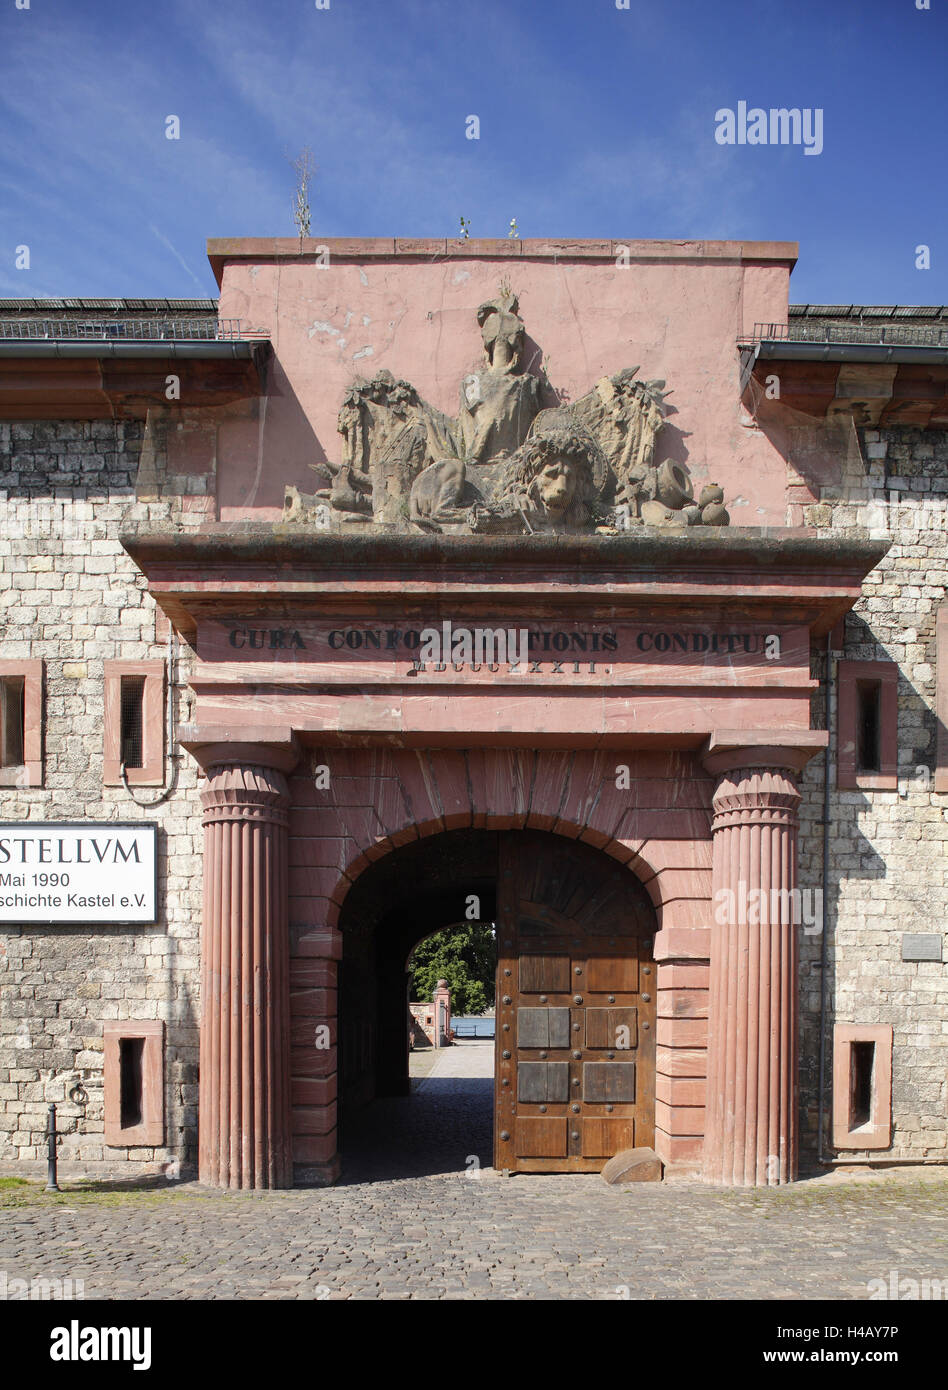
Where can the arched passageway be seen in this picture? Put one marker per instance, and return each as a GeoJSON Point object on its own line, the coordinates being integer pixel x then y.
{"type": "Point", "coordinates": [573, 1074]}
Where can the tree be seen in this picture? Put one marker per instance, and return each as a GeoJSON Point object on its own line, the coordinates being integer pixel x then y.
{"type": "Point", "coordinates": [465, 956]}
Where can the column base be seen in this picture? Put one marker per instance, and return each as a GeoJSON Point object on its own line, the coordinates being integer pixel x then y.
{"type": "Point", "coordinates": [682, 1172]}
{"type": "Point", "coordinates": [317, 1174]}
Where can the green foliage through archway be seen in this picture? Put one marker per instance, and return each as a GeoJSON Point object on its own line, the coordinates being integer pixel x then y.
{"type": "Point", "coordinates": [465, 956]}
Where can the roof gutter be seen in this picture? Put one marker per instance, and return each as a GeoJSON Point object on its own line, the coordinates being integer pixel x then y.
{"type": "Point", "coordinates": [845, 352]}
{"type": "Point", "coordinates": [158, 351]}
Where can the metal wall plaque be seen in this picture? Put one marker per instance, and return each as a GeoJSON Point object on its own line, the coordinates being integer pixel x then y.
{"type": "Point", "coordinates": [543, 1027]}
{"type": "Point", "coordinates": [67, 873]}
{"type": "Point", "coordinates": [609, 1081]}
{"type": "Point", "coordinates": [919, 945]}
{"type": "Point", "coordinates": [543, 1081]}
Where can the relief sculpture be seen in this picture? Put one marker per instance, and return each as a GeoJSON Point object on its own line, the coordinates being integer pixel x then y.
{"type": "Point", "coordinates": [507, 464]}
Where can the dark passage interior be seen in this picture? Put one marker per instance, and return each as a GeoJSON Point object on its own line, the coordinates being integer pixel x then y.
{"type": "Point", "coordinates": [385, 1129]}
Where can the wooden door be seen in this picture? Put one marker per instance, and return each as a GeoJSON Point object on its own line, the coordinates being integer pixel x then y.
{"type": "Point", "coordinates": [575, 1011]}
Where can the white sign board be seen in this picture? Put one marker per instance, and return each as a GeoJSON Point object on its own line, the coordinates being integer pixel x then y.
{"type": "Point", "coordinates": [69, 874]}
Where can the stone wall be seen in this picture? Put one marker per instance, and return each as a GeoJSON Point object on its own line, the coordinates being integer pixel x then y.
{"type": "Point", "coordinates": [423, 1025]}
{"type": "Point", "coordinates": [69, 594]}
{"type": "Point", "coordinates": [888, 871]}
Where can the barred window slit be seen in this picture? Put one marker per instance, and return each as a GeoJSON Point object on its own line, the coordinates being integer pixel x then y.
{"type": "Point", "coordinates": [12, 726]}
{"type": "Point", "coordinates": [133, 722]}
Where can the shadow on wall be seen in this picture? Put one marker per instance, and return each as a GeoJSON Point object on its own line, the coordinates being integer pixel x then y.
{"type": "Point", "coordinates": [276, 447]}
{"type": "Point", "coordinates": [66, 1057]}
{"type": "Point", "coordinates": [820, 452]}
{"type": "Point", "coordinates": [182, 1050]}
{"type": "Point", "coordinates": [918, 723]}
{"type": "Point", "coordinates": [233, 462]}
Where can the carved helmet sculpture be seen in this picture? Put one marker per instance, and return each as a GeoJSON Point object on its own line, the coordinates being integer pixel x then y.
{"type": "Point", "coordinates": [502, 331]}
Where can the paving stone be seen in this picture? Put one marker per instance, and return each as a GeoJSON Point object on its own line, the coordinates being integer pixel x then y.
{"type": "Point", "coordinates": [549, 1236]}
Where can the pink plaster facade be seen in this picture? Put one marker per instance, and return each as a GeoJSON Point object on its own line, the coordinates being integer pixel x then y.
{"type": "Point", "coordinates": [345, 309]}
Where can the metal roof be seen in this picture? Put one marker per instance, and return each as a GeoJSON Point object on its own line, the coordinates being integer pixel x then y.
{"type": "Point", "coordinates": [858, 312]}
{"type": "Point", "coordinates": [119, 306]}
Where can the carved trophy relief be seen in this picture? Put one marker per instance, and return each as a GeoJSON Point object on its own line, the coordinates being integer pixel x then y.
{"type": "Point", "coordinates": [498, 402]}
{"type": "Point", "coordinates": [505, 465]}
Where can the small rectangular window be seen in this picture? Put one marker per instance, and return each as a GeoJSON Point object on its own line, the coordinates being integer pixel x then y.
{"type": "Point", "coordinates": [868, 725]}
{"type": "Point", "coordinates": [862, 1085]}
{"type": "Point", "coordinates": [133, 720]}
{"type": "Point", "coordinates": [133, 734]}
{"type": "Point", "coordinates": [133, 1067]}
{"type": "Point", "coordinates": [862, 1056]}
{"type": "Point", "coordinates": [12, 720]}
{"type": "Point", "coordinates": [131, 1055]}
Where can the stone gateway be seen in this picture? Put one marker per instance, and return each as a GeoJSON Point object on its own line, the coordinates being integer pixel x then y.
{"type": "Point", "coordinates": [647, 661]}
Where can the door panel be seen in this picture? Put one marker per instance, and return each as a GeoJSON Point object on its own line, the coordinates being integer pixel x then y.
{"type": "Point", "coordinates": [605, 1081]}
{"type": "Point", "coordinates": [575, 1062]}
{"type": "Point", "coordinates": [544, 1139]}
{"type": "Point", "coordinates": [543, 972]}
{"type": "Point", "coordinates": [614, 973]}
{"type": "Point", "coordinates": [603, 1138]}
{"type": "Point", "coordinates": [615, 1028]}
{"type": "Point", "coordinates": [539, 1081]}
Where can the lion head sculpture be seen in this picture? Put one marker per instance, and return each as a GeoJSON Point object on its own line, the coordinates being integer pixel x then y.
{"type": "Point", "coordinates": [554, 474]}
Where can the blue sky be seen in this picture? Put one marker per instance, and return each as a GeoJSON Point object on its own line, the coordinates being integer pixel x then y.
{"type": "Point", "coordinates": [594, 122]}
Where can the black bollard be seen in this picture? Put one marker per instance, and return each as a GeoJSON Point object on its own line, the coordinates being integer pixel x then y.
{"type": "Point", "coordinates": [51, 1184]}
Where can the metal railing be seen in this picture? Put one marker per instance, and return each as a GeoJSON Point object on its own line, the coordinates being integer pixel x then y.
{"type": "Point", "coordinates": [884, 334]}
{"type": "Point", "coordinates": [472, 1027]}
{"type": "Point", "coordinates": [206, 328]}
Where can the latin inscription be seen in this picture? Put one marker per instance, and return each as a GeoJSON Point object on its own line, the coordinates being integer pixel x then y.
{"type": "Point", "coordinates": [273, 639]}
{"type": "Point", "coordinates": [543, 641]}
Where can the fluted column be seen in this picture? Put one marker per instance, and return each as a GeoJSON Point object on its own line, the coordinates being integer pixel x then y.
{"type": "Point", "coordinates": [751, 1128]}
{"type": "Point", "coordinates": [244, 1114]}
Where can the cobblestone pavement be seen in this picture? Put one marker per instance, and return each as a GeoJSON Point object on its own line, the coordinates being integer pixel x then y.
{"type": "Point", "coordinates": [445, 1125]}
{"type": "Point", "coordinates": [415, 1217]}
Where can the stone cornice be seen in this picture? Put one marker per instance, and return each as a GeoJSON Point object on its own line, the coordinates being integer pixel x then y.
{"type": "Point", "coordinates": [239, 568]}
{"type": "Point", "coordinates": [668, 548]}
{"type": "Point", "coordinates": [221, 250]}
{"type": "Point", "coordinates": [746, 751]}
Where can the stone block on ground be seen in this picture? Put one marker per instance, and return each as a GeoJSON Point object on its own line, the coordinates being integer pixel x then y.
{"type": "Point", "coordinates": [633, 1165]}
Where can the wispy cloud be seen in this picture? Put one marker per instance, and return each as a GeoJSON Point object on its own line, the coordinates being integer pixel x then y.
{"type": "Point", "coordinates": [177, 255]}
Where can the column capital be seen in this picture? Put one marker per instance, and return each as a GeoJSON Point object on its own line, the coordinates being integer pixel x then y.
{"type": "Point", "coordinates": [755, 796]}
{"type": "Point", "coordinates": [733, 750]}
{"type": "Point", "coordinates": [214, 745]}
